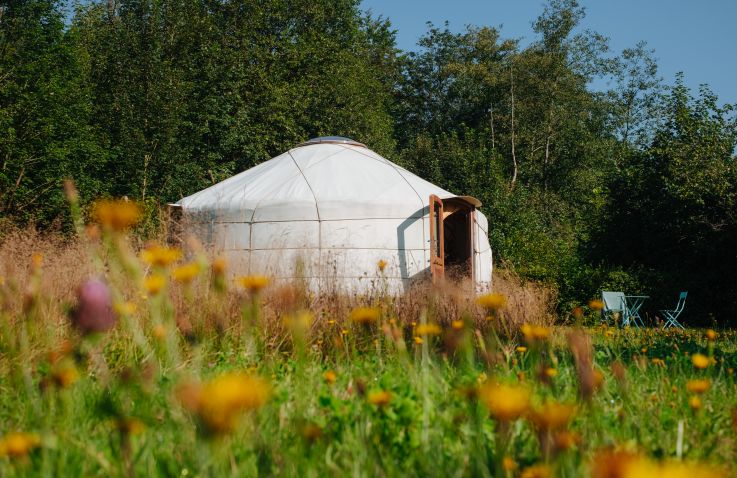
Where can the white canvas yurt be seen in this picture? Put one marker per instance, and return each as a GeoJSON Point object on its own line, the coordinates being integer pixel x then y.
{"type": "Point", "coordinates": [329, 210]}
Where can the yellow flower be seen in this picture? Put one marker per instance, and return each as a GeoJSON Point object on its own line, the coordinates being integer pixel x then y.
{"type": "Point", "coordinates": [505, 402]}
{"type": "Point", "coordinates": [552, 415]}
{"type": "Point", "coordinates": [492, 301]}
{"type": "Point", "coordinates": [37, 260]}
{"type": "Point", "coordinates": [253, 284]}
{"type": "Point", "coordinates": [159, 332]}
{"type": "Point", "coordinates": [129, 426]}
{"type": "Point", "coordinates": [186, 273]}
{"type": "Point", "coordinates": [116, 215]}
{"type": "Point", "coordinates": [428, 329]}
{"type": "Point", "coordinates": [694, 402]}
{"type": "Point", "coordinates": [700, 361]}
{"type": "Point", "coordinates": [160, 256]}
{"type": "Point", "coordinates": [64, 374]}
{"type": "Point", "coordinates": [18, 444]}
{"type": "Point", "coordinates": [521, 349]}
{"type": "Point", "coordinates": [711, 336]}
{"type": "Point", "coordinates": [418, 340]}
{"type": "Point", "coordinates": [330, 377]}
{"type": "Point", "coordinates": [534, 333]}
{"type": "Point", "coordinates": [125, 308]}
{"type": "Point", "coordinates": [509, 464]}
{"type": "Point", "coordinates": [596, 304]}
{"type": "Point", "coordinates": [457, 324]}
{"type": "Point", "coordinates": [219, 265]}
{"type": "Point", "coordinates": [299, 322]}
{"type": "Point", "coordinates": [566, 439]}
{"type": "Point", "coordinates": [698, 386]}
{"type": "Point", "coordinates": [380, 398]}
{"type": "Point", "coordinates": [537, 471]}
{"type": "Point", "coordinates": [220, 403]}
{"type": "Point", "coordinates": [551, 372]}
{"type": "Point", "coordinates": [364, 315]}
{"type": "Point", "coordinates": [154, 283]}
{"type": "Point", "coordinates": [381, 265]}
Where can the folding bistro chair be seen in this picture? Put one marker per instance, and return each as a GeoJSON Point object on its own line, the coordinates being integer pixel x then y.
{"type": "Point", "coordinates": [614, 305]}
{"type": "Point", "coordinates": [671, 316]}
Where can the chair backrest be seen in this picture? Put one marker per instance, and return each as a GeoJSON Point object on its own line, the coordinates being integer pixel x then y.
{"type": "Point", "coordinates": [681, 301]}
{"type": "Point", "coordinates": [612, 300]}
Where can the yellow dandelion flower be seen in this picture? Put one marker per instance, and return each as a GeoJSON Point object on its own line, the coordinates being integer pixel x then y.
{"type": "Point", "coordinates": [505, 402]}
{"type": "Point", "coordinates": [418, 340]}
{"type": "Point", "coordinates": [428, 329]}
{"type": "Point", "coordinates": [596, 304]}
{"type": "Point", "coordinates": [219, 266]}
{"type": "Point", "coordinates": [159, 332]}
{"type": "Point", "coordinates": [220, 403]}
{"type": "Point", "coordinates": [537, 471]}
{"type": "Point", "coordinates": [509, 464]}
{"type": "Point", "coordinates": [551, 372]}
{"type": "Point", "coordinates": [253, 284]}
{"type": "Point", "coordinates": [381, 265]}
{"type": "Point", "coordinates": [186, 273]}
{"type": "Point", "coordinates": [521, 349]}
{"type": "Point", "coordinates": [566, 439]}
{"type": "Point", "coordinates": [125, 308]}
{"type": "Point", "coordinates": [694, 402]}
{"type": "Point", "coordinates": [492, 301]}
{"type": "Point", "coordinates": [159, 256]}
{"type": "Point", "coordinates": [364, 315]}
{"type": "Point", "coordinates": [534, 333]}
{"type": "Point", "coordinates": [552, 415]}
{"type": "Point", "coordinates": [457, 324]}
{"type": "Point", "coordinates": [711, 336]}
{"type": "Point", "coordinates": [700, 361]}
{"type": "Point", "coordinates": [154, 283]}
{"type": "Point", "coordinates": [380, 398]}
{"type": "Point", "coordinates": [698, 386]}
{"type": "Point", "coordinates": [64, 374]}
{"type": "Point", "coordinates": [330, 377]}
{"type": "Point", "coordinates": [116, 215]}
{"type": "Point", "coordinates": [19, 444]}
{"type": "Point", "coordinates": [37, 260]}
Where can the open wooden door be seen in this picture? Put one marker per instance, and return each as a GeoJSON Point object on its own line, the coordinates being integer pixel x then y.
{"type": "Point", "coordinates": [437, 239]}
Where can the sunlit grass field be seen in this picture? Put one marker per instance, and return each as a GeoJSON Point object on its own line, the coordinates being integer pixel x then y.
{"type": "Point", "coordinates": [126, 359]}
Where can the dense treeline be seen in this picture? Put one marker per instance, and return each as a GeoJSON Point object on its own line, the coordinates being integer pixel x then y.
{"type": "Point", "coordinates": [632, 188]}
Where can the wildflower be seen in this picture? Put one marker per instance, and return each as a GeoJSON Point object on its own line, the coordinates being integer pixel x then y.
{"type": "Point", "coordinates": [457, 324]}
{"type": "Point", "coordinates": [253, 284]}
{"type": "Point", "coordinates": [418, 340]}
{"type": "Point", "coordinates": [116, 215]}
{"type": "Point", "coordinates": [159, 256]}
{"type": "Point", "coordinates": [698, 386]}
{"type": "Point", "coordinates": [125, 308]}
{"type": "Point", "coordinates": [551, 372]}
{"type": "Point", "coordinates": [37, 260]}
{"type": "Point", "coordinates": [18, 444]}
{"type": "Point", "coordinates": [159, 332]}
{"type": "Point", "coordinates": [492, 301]}
{"type": "Point", "coordinates": [364, 315]}
{"type": "Point", "coordinates": [596, 304]}
{"type": "Point", "coordinates": [537, 471]}
{"type": "Point", "coordinates": [509, 464]}
{"type": "Point", "coordinates": [700, 361]}
{"type": "Point", "coordinates": [565, 439]}
{"type": "Point", "coordinates": [186, 273]}
{"type": "Point", "coordinates": [711, 336]}
{"type": "Point", "coordinates": [658, 362]}
{"type": "Point", "coordinates": [330, 377]}
{"type": "Point", "coordinates": [129, 426]}
{"type": "Point", "coordinates": [64, 374]}
{"type": "Point", "coordinates": [219, 265]}
{"type": "Point", "coordinates": [506, 403]}
{"type": "Point", "coordinates": [694, 402]}
{"type": "Point", "coordinates": [521, 349]}
{"type": "Point", "coordinates": [577, 313]}
{"type": "Point", "coordinates": [154, 283]}
{"type": "Point", "coordinates": [428, 329]}
{"type": "Point", "coordinates": [381, 265]}
{"type": "Point", "coordinates": [552, 415]}
{"type": "Point", "coordinates": [220, 403]}
{"type": "Point", "coordinates": [380, 398]}
{"type": "Point", "coordinates": [534, 333]}
{"type": "Point", "coordinates": [94, 310]}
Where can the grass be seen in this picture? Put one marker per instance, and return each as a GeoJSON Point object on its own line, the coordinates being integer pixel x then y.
{"type": "Point", "coordinates": [208, 378]}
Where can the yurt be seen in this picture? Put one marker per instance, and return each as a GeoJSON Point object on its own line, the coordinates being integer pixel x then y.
{"type": "Point", "coordinates": [339, 216]}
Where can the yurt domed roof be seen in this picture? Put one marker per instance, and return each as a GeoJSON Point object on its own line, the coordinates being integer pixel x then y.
{"type": "Point", "coordinates": [326, 178]}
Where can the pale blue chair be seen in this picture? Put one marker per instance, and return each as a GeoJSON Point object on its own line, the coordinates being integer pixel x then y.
{"type": "Point", "coordinates": [614, 304]}
{"type": "Point", "coordinates": [671, 316]}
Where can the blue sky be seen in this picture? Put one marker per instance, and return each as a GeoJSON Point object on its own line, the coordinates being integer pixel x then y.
{"type": "Point", "coordinates": [698, 37]}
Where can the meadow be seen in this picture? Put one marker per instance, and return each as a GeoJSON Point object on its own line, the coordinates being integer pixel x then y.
{"type": "Point", "coordinates": [120, 357]}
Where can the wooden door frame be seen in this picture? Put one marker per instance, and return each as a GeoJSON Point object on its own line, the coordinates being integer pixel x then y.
{"type": "Point", "coordinates": [437, 239]}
